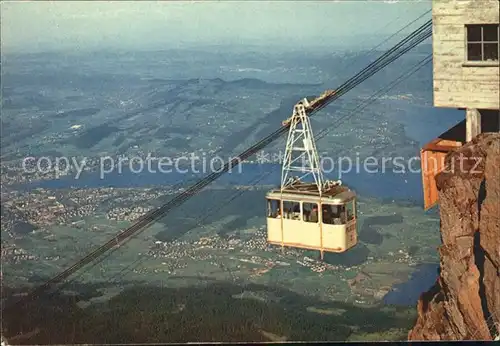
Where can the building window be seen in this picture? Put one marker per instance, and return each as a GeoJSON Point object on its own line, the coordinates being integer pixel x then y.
{"type": "Point", "coordinates": [482, 42]}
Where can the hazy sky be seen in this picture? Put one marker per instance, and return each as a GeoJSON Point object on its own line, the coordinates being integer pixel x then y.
{"type": "Point", "coordinates": [49, 25]}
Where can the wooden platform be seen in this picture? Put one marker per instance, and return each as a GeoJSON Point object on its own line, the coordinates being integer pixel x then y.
{"type": "Point", "coordinates": [432, 157]}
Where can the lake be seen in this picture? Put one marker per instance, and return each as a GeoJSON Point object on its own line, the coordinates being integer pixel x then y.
{"type": "Point", "coordinates": [407, 293]}
{"type": "Point", "coordinates": [388, 185]}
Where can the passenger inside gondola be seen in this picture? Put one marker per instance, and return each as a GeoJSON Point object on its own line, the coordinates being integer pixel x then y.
{"type": "Point", "coordinates": [292, 210]}
{"type": "Point", "coordinates": [326, 214]}
{"type": "Point", "coordinates": [273, 208]}
{"type": "Point", "coordinates": [340, 215]}
{"type": "Point", "coordinates": [310, 212]}
{"type": "Point", "coordinates": [313, 217]}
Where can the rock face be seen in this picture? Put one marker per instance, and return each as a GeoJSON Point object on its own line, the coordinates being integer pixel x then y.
{"type": "Point", "coordinates": [464, 304]}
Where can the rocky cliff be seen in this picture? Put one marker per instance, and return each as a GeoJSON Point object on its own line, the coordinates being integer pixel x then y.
{"type": "Point", "coordinates": [464, 304]}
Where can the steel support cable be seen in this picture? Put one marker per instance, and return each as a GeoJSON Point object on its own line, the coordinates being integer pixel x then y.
{"type": "Point", "coordinates": [393, 35]}
{"type": "Point", "coordinates": [388, 57]}
{"type": "Point", "coordinates": [399, 31]}
{"type": "Point", "coordinates": [209, 213]}
{"type": "Point", "coordinates": [427, 25]}
{"type": "Point", "coordinates": [417, 37]}
{"type": "Point", "coordinates": [421, 39]}
{"type": "Point", "coordinates": [373, 98]}
{"type": "Point", "coordinates": [373, 68]}
{"type": "Point", "coordinates": [177, 185]}
{"type": "Point", "coordinates": [150, 217]}
{"type": "Point", "coordinates": [136, 263]}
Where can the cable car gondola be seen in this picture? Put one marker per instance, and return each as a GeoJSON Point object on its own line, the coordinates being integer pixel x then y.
{"type": "Point", "coordinates": [316, 215]}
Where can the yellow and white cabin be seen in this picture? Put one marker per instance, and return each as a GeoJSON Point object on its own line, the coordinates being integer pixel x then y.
{"type": "Point", "coordinates": [302, 219]}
